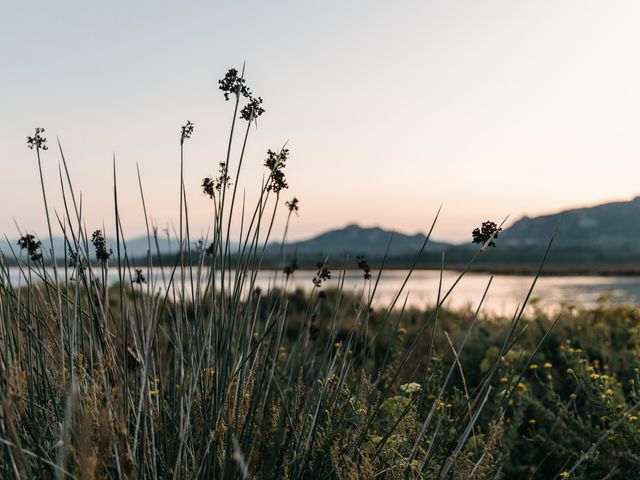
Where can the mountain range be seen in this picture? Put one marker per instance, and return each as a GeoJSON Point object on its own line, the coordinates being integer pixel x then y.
{"type": "Point", "coordinates": [608, 232]}
{"type": "Point", "coordinates": [356, 240]}
{"type": "Point", "coordinates": [136, 246]}
{"type": "Point", "coordinates": [609, 225]}
{"type": "Point", "coordinates": [605, 234]}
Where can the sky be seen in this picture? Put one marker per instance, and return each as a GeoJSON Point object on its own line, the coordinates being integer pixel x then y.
{"type": "Point", "coordinates": [390, 109]}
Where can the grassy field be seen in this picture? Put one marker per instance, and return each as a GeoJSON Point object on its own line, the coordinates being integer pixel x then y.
{"type": "Point", "coordinates": [191, 371]}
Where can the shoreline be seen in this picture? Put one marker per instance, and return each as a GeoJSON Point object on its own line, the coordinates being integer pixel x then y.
{"type": "Point", "coordinates": [516, 270]}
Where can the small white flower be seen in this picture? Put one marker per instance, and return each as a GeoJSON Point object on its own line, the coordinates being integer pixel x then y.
{"type": "Point", "coordinates": [412, 387]}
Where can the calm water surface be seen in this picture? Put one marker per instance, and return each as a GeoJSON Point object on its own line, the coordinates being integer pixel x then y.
{"type": "Point", "coordinates": [504, 296]}
{"type": "Point", "coordinates": [505, 293]}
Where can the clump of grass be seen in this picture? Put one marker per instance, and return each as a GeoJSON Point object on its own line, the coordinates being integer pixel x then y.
{"type": "Point", "coordinates": [193, 371]}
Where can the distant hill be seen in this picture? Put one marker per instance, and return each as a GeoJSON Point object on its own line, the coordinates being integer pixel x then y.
{"type": "Point", "coordinates": [355, 240]}
{"type": "Point", "coordinates": [136, 247]}
{"type": "Point", "coordinates": [601, 237]}
{"type": "Point", "coordinates": [608, 226]}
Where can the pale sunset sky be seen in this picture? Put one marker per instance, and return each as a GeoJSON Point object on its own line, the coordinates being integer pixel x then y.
{"type": "Point", "coordinates": [389, 108]}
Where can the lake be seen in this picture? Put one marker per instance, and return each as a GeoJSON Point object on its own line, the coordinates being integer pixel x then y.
{"type": "Point", "coordinates": [505, 294]}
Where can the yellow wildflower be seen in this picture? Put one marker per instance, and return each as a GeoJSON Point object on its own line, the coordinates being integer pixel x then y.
{"type": "Point", "coordinates": [547, 365]}
{"type": "Point", "coordinates": [533, 366]}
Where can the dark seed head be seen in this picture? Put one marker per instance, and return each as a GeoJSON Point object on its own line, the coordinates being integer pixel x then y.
{"type": "Point", "coordinates": [292, 205]}
{"type": "Point", "coordinates": [37, 141]}
{"type": "Point", "coordinates": [364, 266]}
{"type": "Point", "coordinates": [323, 274]}
{"type": "Point", "coordinates": [233, 84]}
{"type": "Point", "coordinates": [186, 131]}
{"type": "Point", "coordinates": [100, 244]}
{"type": "Point", "coordinates": [139, 278]}
{"type": "Point", "coordinates": [32, 246]}
{"type": "Point", "coordinates": [487, 232]}
{"type": "Point", "coordinates": [275, 162]}
{"type": "Point", "coordinates": [252, 110]}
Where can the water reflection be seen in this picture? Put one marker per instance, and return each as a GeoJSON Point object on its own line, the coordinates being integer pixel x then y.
{"type": "Point", "coordinates": [504, 296]}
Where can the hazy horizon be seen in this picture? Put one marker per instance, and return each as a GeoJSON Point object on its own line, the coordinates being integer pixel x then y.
{"type": "Point", "coordinates": [489, 108]}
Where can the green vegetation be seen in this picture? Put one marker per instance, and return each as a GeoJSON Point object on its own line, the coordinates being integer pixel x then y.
{"type": "Point", "coordinates": [188, 370]}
